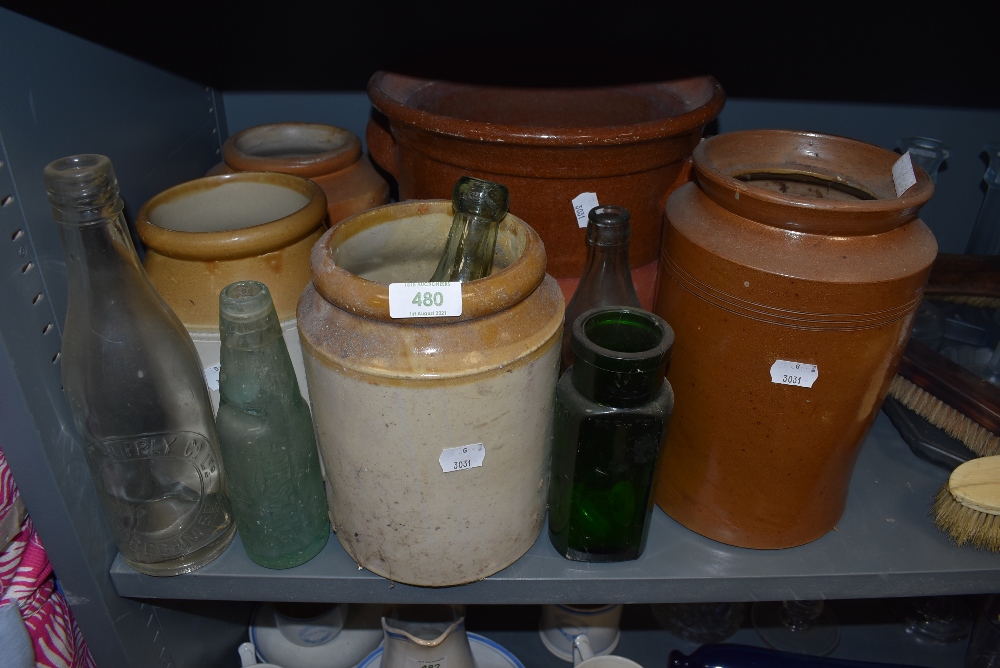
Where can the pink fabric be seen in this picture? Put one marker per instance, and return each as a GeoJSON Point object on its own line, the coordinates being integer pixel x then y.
{"type": "Point", "coordinates": [26, 580]}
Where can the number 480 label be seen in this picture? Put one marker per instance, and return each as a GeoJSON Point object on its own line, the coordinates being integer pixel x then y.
{"type": "Point", "coordinates": [425, 300]}
{"type": "Point", "coordinates": [799, 374]}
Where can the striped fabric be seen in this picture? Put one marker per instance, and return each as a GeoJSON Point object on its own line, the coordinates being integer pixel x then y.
{"type": "Point", "coordinates": [27, 581]}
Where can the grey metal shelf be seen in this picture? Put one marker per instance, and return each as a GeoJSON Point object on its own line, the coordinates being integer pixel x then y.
{"type": "Point", "coordinates": [885, 546]}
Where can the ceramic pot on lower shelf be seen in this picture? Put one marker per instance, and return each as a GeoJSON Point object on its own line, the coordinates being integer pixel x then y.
{"type": "Point", "coordinates": [791, 272]}
{"type": "Point", "coordinates": [434, 431]}
{"type": "Point", "coordinates": [202, 235]}
{"type": "Point", "coordinates": [329, 156]}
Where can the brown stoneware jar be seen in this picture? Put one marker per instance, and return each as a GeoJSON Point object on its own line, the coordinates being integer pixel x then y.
{"type": "Point", "coordinates": [329, 156]}
{"type": "Point", "coordinates": [391, 396]}
{"type": "Point", "coordinates": [629, 144]}
{"type": "Point", "coordinates": [789, 248]}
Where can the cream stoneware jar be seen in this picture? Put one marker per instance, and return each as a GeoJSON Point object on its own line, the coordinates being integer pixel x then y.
{"type": "Point", "coordinates": [390, 395]}
{"type": "Point", "coordinates": [204, 234]}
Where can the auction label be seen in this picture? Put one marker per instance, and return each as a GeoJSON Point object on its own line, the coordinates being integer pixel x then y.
{"type": "Point", "coordinates": [582, 204]}
{"type": "Point", "coordinates": [462, 458]}
{"type": "Point", "coordinates": [799, 374]}
{"type": "Point", "coordinates": [425, 300]}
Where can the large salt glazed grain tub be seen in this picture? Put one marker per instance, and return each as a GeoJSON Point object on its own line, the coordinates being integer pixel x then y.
{"type": "Point", "coordinates": [389, 395]}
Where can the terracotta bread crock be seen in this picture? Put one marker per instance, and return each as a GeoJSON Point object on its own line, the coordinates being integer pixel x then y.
{"type": "Point", "coordinates": [204, 234]}
{"type": "Point", "coordinates": [329, 156]}
{"type": "Point", "coordinates": [390, 396]}
{"type": "Point", "coordinates": [629, 144]}
{"type": "Point", "coordinates": [790, 247]}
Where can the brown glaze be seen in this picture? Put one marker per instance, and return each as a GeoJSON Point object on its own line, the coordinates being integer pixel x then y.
{"type": "Point", "coordinates": [202, 235]}
{"type": "Point", "coordinates": [389, 394]}
{"type": "Point", "coordinates": [629, 144]}
{"type": "Point", "coordinates": [791, 270]}
{"type": "Point", "coordinates": [327, 155]}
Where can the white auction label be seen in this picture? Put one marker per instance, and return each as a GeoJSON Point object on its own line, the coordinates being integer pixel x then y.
{"type": "Point", "coordinates": [425, 300]}
{"type": "Point", "coordinates": [462, 457]}
{"type": "Point", "coordinates": [903, 175]}
{"type": "Point", "coordinates": [799, 374]}
{"type": "Point", "coordinates": [212, 377]}
{"type": "Point", "coordinates": [422, 663]}
{"type": "Point", "coordinates": [582, 204]}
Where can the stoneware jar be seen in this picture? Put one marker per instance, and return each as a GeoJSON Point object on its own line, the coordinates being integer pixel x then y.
{"type": "Point", "coordinates": [202, 235]}
{"type": "Point", "coordinates": [329, 156]}
{"type": "Point", "coordinates": [629, 144]}
{"type": "Point", "coordinates": [392, 397]}
{"type": "Point", "coordinates": [791, 272]}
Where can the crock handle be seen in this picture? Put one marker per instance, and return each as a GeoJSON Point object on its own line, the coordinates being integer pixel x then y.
{"type": "Point", "coordinates": [381, 144]}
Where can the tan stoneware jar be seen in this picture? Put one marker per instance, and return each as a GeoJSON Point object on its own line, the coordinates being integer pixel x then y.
{"type": "Point", "coordinates": [329, 156]}
{"type": "Point", "coordinates": [202, 235]}
{"type": "Point", "coordinates": [789, 247]}
{"type": "Point", "coordinates": [629, 144]}
{"type": "Point", "coordinates": [389, 395]}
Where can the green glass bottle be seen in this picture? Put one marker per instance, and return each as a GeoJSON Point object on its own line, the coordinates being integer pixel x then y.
{"type": "Point", "coordinates": [266, 433]}
{"type": "Point", "coordinates": [611, 414]}
{"type": "Point", "coordinates": [479, 207]}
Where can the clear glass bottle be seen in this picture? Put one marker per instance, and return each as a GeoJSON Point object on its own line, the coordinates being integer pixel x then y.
{"type": "Point", "coordinates": [606, 279]}
{"type": "Point", "coordinates": [927, 152]}
{"type": "Point", "coordinates": [985, 237]}
{"type": "Point", "coordinates": [135, 386]}
{"type": "Point", "coordinates": [610, 419]}
{"type": "Point", "coordinates": [266, 432]}
{"type": "Point", "coordinates": [479, 207]}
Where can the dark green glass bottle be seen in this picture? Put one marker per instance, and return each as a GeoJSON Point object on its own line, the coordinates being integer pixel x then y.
{"type": "Point", "coordinates": [479, 207]}
{"type": "Point", "coordinates": [611, 414]}
{"type": "Point", "coordinates": [266, 433]}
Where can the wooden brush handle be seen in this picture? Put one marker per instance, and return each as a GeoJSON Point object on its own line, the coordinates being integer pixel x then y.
{"type": "Point", "coordinates": [954, 385]}
{"type": "Point", "coordinates": [969, 275]}
{"type": "Point", "coordinates": [976, 484]}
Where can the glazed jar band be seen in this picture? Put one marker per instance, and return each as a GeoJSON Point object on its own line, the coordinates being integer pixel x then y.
{"type": "Point", "coordinates": [844, 322]}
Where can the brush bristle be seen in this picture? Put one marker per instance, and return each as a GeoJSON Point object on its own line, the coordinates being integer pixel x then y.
{"type": "Point", "coordinates": [964, 524]}
{"type": "Point", "coordinates": [977, 438]}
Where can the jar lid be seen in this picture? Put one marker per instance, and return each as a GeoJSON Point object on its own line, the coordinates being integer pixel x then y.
{"type": "Point", "coordinates": [621, 355]}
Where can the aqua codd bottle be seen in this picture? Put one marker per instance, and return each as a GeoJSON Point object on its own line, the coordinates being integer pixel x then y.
{"type": "Point", "coordinates": [468, 253]}
{"type": "Point", "coordinates": [611, 413]}
{"type": "Point", "coordinates": [135, 386]}
{"type": "Point", "coordinates": [606, 279]}
{"type": "Point", "coordinates": [266, 431]}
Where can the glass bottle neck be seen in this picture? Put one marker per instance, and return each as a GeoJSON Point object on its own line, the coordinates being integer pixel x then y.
{"type": "Point", "coordinates": [100, 255]}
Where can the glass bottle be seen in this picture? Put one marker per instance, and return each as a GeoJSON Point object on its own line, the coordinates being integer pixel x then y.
{"type": "Point", "coordinates": [135, 386]}
{"type": "Point", "coordinates": [606, 279]}
{"type": "Point", "coordinates": [479, 207]}
{"type": "Point", "coordinates": [985, 237]}
{"type": "Point", "coordinates": [927, 152]}
{"type": "Point", "coordinates": [267, 437]}
{"type": "Point", "coordinates": [610, 416]}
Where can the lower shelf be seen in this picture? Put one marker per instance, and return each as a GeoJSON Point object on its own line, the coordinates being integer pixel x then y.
{"type": "Point", "coordinates": [884, 546]}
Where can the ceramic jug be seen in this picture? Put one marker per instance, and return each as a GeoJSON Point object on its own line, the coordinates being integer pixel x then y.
{"type": "Point", "coordinates": [426, 635]}
{"type": "Point", "coordinates": [329, 156]}
{"type": "Point", "coordinates": [204, 234]}
{"type": "Point", "coordinates": [791, 272]}
{"type": "Point", "coordinates": [396, 401]}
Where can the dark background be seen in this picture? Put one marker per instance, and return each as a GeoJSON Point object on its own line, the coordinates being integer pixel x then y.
{"type": "Point", "coordinates": [875, 52]}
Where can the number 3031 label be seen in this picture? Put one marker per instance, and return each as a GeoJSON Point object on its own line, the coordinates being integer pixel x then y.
{"type": "Point", "coordinates": [462, 458]}
{"type": "Point", "coordinates": [799, 374]}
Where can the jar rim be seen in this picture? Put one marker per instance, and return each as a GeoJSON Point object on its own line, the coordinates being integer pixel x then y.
{"type": "Point", "coordinates": [234, 243]}
{"type": "Point", "coordinates": [370, 299]}
{"type": "Point", "coordinates": [721, 161]}
{"type": "Point", "coordinates": [238, 151]}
